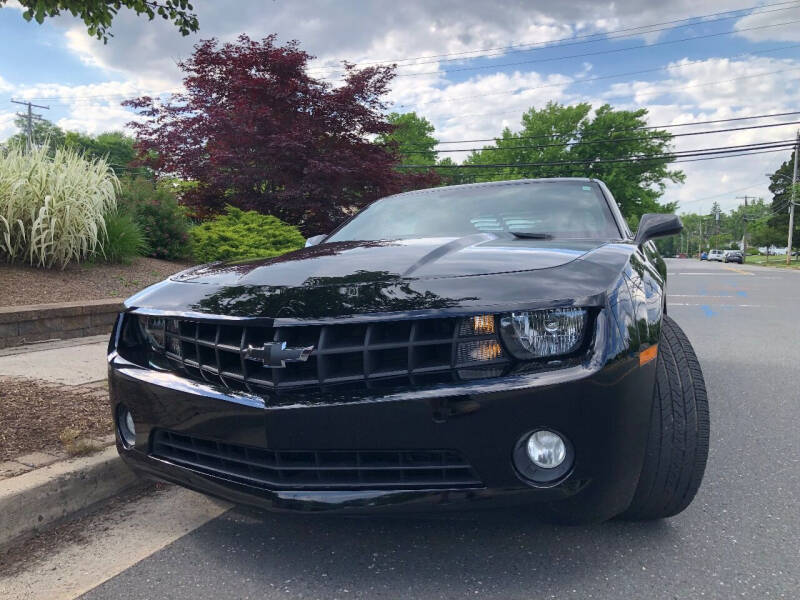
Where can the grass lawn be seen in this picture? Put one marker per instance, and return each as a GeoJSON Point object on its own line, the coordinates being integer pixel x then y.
{"type": "Point", "coordinates": [774, 261]}
{"type": "Point", "coordinates": [23, 284]}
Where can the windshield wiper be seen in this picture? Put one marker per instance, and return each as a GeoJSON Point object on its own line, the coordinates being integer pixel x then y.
{"type": "Point", "coordinates": [531, 235]}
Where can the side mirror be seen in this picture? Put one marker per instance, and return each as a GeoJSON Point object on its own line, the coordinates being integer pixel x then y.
{"type": "Point", "coordinates": [315, 239]}
{"type": "Point", "coordinates": [653, 225]}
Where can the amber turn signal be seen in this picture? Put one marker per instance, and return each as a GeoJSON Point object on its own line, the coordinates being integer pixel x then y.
{"type": "Point", "coordinates": [648, 354]}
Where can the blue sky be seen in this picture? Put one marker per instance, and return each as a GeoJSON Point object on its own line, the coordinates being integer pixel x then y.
{"type": "Point", "coordinates": [749, 64]}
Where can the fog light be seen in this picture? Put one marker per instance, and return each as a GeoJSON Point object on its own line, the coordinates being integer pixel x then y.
{"type": "Point", "coordinates": [546, 449]}
{"type": "Point", "coordinates": [543, 457]}
{"type": "Point", "coordinates": [127, 430]}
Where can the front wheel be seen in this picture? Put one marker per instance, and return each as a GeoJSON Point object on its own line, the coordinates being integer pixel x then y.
{"type": "Point", "coordinates": [677, 445]}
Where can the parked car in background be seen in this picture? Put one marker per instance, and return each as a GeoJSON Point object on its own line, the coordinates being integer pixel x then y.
{"type": "Point", "coordinates": [704, 256]}
{"type": "Point", "coordinates": [717, 255]}
{"type": "Point", "coordinates": [736, 256]}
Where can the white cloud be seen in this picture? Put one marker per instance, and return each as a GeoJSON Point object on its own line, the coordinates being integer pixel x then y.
{"type": "Point", "coordinates": [785, 32]}
{"type": "Point", "coordinates": [5, 86]}
{"type": "Point", "coordinates": [82, 45]}
{"type": "Point", "coordinates": [478, 107]}
{"type": "Point", "coordinates": [744, 92]}
{"type": "Point", "coordinates": [105, 116]}
{"type": "Point", "coordinates": [7, 127]}
{"type": "Point", "coordinates": [380, 29]}
{"type": "Point", "coordinates": [142, 57]}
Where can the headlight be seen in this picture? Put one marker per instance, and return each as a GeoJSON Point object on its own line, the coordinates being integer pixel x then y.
{"type": "Point", "coordinates": [153, 330]}
{"type": "Point", "coordinates": [543, 333]}
{"type": "Point", "coordinates": [146, 340]}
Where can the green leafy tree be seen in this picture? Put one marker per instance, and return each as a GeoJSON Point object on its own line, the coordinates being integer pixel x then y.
{"type": "Point", "coordinates": [412, 138]}
{"type": "Point", "coordinates": [691, 232]}
{"type": "Point", "coordinates": [780, 184]}
{"type": "Point", "coordinates": [114, 146]}
{"type": "Point", "coordinates": [155, 209]}
{"type": "Point", "coordinates": [764, 234]}
{"type": "Point", "coordinates": [451, 176]}
{"type": "Point", "coordinates": [752, 220]}
{"type": "Point", "coordinates": [572, 135]}
{"type": "Point", "coordinates": [44, 133]}
{"type": "Point", "coordinates": [98, 14]}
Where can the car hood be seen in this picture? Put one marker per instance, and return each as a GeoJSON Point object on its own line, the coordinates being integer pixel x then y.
{"type": "Point", "coordinates": [478, 254]}
{"type": "Point", "coordinates": [350, 279]}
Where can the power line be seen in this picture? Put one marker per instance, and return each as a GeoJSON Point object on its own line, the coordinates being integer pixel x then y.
{"type": "Point", "coordinates": [777, 144]}
{"type": "Point", "coordinates": [741, 189]}
{"type": "Point", "coordinates": [568, 56]}
{"type": "Point", "coordinates": [667, 126]}
{"type": "Point", "coordinates": [570, 41]}
{"type": "Point", "coordinates": [603, 141]}
{"type": "Point", "coordinates": [66, 99]}
{"type": "Point", "coordinates": [30, 117]}
{"type": "Point", "coordinates": [651, 93]}
{"type": "Point", "coordinates": [595, 53]}
{"type": "Point", "coordinates": [93, 96]}
{"type": "Point", "coordinates": [668, 67]}
{"type": "Point", "coordinates": [780, 209]}
{"type": "Point", "coordinates": [656, 93]}
{"type": "Point", "coordinates": [730, 155]}
{"type": "Point", "coordinates": [704, 158]}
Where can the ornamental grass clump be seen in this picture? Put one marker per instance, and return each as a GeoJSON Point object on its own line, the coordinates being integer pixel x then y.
{"type": "Point", "coordinates": [52, 209]}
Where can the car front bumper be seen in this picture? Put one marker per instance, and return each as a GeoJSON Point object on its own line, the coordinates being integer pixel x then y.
{"type": "Point", "coordinates": [603, 409]}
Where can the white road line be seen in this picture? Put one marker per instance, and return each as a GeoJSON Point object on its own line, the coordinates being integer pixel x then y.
{"type": "Point", "coordinates": [699, 296]}
{"type": "Point", "coordinates": [721, 274]}
{"type": "Point", "coordinates": [719, 305]}
{"type": "Point", "coordinates": [113, 542]}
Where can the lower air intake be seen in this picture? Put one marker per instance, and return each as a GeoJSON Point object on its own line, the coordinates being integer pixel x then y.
{"type": "Point", "coordinates": [317, 470]}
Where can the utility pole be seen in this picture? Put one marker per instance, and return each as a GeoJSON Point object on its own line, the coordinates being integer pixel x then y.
{"type": "Point", "coordinates": [791, 205]}
{"type": "Point", "coordinates": [701, 237]}
{"type": "Point", "coordinates": [30, 117]}
{"type": "Point", "coordinates": [744, 220]}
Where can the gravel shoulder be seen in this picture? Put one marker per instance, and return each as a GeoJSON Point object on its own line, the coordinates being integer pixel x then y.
{"type": "Point", "coordinates": [23, 284]}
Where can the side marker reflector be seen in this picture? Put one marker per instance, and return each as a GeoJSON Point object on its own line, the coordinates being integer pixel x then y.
{"type": "Point", "coordinates": [648, 354]}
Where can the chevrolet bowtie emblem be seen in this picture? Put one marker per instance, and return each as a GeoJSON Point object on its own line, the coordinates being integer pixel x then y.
{"type": "Point", "coordinates": [276, 354]}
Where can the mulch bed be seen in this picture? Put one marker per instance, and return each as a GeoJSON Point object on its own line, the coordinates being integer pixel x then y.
{"type": "Point", "coordinates": [23, 284]}
{"type": "Point", "coordinates": [35, 415]}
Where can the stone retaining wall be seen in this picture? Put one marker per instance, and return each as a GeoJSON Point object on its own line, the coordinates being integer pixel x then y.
{"type": "Point", "coordinates": [38, 322]}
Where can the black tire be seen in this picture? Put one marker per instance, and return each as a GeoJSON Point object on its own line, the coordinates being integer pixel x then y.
{"type": "Point", "coordinates": [677, 445]}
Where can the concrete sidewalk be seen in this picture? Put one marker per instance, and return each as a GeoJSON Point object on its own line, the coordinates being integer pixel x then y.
{"type": "Point", "coordinates": [43, 488]}
{"type": "Point", "coordinates": [75, 361]}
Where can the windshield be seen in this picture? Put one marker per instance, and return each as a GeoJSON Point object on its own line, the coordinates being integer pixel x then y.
{"type": "Point", "coordinates": [558, 209]}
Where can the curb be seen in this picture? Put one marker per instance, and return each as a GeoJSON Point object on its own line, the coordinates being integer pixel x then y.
{"type": "Point", "coordinates": [44, 496]}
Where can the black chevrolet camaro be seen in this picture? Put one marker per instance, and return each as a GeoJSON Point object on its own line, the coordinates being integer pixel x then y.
{"type": "Point", "coordinates": [477, 345]}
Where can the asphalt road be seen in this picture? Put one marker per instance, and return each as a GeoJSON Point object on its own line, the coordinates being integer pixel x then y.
{"type": "Point", "coordinates": [740, 537]}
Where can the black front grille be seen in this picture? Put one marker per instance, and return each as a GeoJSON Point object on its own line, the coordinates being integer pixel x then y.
{"type": "Point", "coordinates": [411, 352]}
{"type": "Point", "coordinates": [317, 469]}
